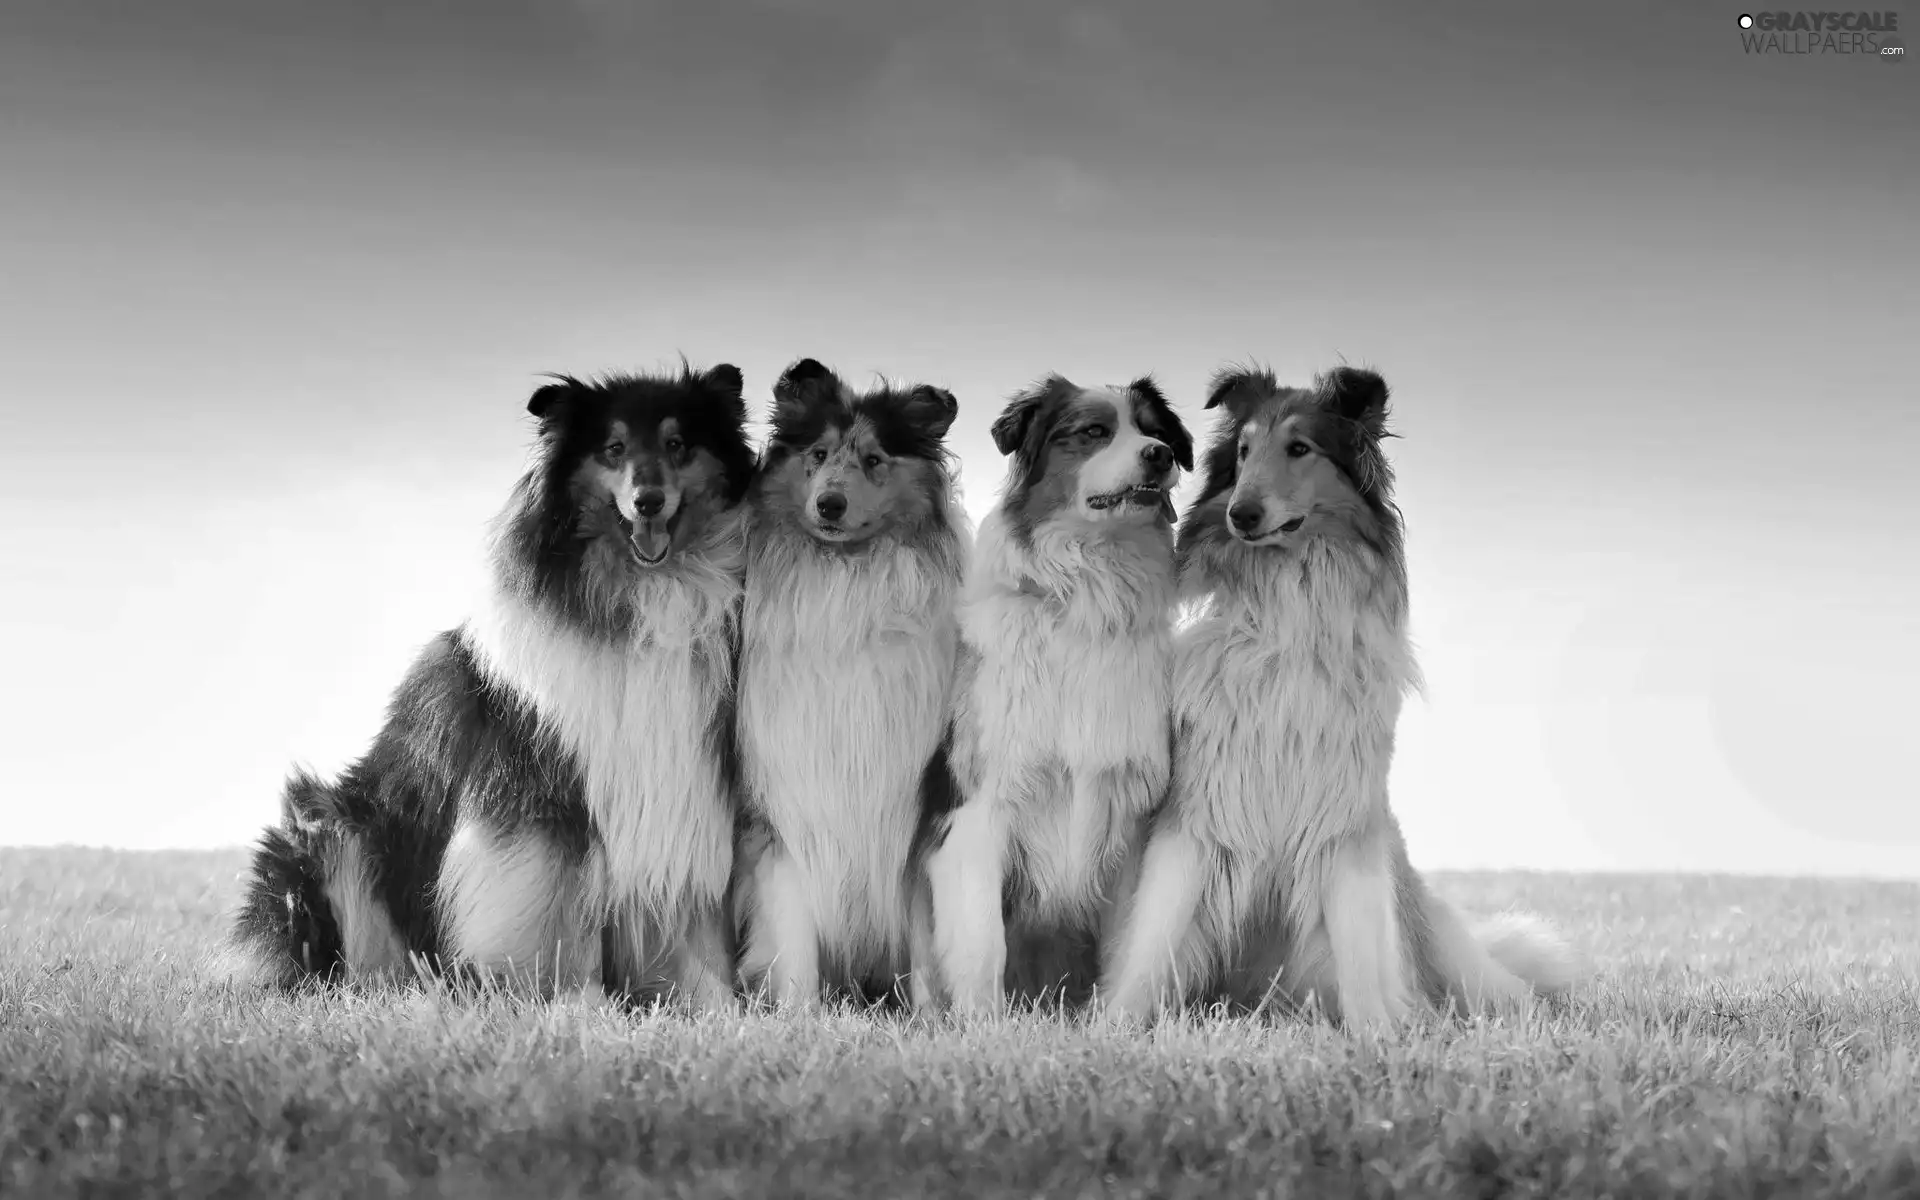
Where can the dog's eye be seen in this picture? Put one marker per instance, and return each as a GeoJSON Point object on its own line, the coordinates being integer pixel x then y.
{"type": "Point", "coordinates": [674, 446]}
{"type": "Point", "coordinates": [1298, 449]}
{"type": "Point", "coordinates": [817, 456]}
{"type": "Point", "coordinates": [616, 449]}
{"type": "Point", "coordinates": [1097, 432]}
{"type": "Point", "coordinates": [873, 462]}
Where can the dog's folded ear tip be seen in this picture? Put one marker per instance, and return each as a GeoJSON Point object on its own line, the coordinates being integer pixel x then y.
{"type": "Point", "coordinates": [547, 395]}
{"type": "Point", "coordinates": [805, 369]}
{"type": "Point", "coordinates": [1010, 427]}
{"type": "Point", "coordinates": [726, 375]}
{"type": "Point", "coordinates": [1229, 381]}
{"type": "Point", "coordinates": [808, 381]}
{"type": "Point", "coordinates": [1355, 389]}
{"type": "Point", "coordinates": [1350, 375]}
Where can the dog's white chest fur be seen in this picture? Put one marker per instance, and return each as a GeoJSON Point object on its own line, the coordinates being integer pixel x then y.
{"type": "Point", "coordinates": [1065, 723]}
{"type": "Point", "coordinates": [636, 716]}
{"type": "Point", "coordinates": [1287, 694]}
{"type": "Point", "coordinates": [846, 666]}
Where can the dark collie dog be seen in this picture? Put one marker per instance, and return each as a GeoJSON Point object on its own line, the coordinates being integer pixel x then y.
{"type": "Point", "coordinates": [1276, 869]}
{"type": "Point", "coordinates": [847, 653]}
{"type": "Point", "coordinates": [550, 799]}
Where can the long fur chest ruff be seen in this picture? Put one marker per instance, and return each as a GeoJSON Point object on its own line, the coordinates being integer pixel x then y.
{"type": "Point", "coordinates": [1064, 719]}
{"type": "Point", "coordinates": [1288, 682]}
{"type": "Point", "coordinates": [845, 671]}
{"type": "Point", "coordinates": [639, 716]}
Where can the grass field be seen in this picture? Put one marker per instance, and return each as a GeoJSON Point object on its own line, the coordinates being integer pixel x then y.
{"type": "Point", "coordinates": [1741, 1037]}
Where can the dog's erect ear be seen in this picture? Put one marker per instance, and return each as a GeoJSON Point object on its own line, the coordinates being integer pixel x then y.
{"type": "Point", "coordinates": [801, 387]}
{"type": "Point", "coordinates": [551, 402]}
{"type": "Point", "coordinates": [726, 379]}
{"type": "Point", "coordinates": [1358, 395]}
{"type": "Point", "coordinates": [1240, 388]}
{"type": "Point", "coordinates": [931, 409]}
{"type": "Point", "coordinates": [1145, 388]}
{"type": "Point", "coordinates": [1167, 425]}
{"type": "Point", "coordinates": [807, 378]}
{"type": "Point", "coordinates": [1011, 426]}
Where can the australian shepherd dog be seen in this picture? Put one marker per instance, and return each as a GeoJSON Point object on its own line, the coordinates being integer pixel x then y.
{"type": "Point", "coordinates": [855, 562]}
{"type": "Point", "coordinates": [1276, 869]}
{"type": "Point", "coordinates": [1060, 734]}
{"type": "Point", "coordinates": [550, 800]}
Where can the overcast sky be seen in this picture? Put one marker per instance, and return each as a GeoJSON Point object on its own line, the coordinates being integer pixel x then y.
{"type": "Point", "coordinates": [276, 280]}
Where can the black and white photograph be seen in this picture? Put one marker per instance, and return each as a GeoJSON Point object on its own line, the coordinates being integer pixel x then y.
{"type": "Point", "coordinates": [1026, 598]}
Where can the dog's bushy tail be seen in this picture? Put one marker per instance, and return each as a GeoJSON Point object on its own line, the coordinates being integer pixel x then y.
{"type": "Point", "coordinates": [286, 931]}
{"type": "Point", "coordinates": [1532, 949]}
{"type": "Point", "coordinates": [1496, 962]}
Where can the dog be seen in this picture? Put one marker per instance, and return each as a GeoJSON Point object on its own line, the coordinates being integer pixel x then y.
{"type": "Point", "coordinates": [550, 800]}
{"type": "Point", "coordinates": [855, 562]}
{"type": "Point", "coordinates": [1060, 734]}
{"type": "Point", "coordinates": [1276, 869]}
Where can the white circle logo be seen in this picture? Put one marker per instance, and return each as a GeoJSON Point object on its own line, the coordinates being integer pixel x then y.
{"type": "Point", "coordinates": [1746, 21]}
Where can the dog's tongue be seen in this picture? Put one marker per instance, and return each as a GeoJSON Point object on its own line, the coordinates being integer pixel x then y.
{"type": "Point", "coordinates": [650, 540]}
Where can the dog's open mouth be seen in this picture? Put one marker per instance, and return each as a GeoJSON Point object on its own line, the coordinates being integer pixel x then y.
{"type": "Point", "coordinates": [649, 538]}
{"type": "Point", "coordinates": [1147, 495]}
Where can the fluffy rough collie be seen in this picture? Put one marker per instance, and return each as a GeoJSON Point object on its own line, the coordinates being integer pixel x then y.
{"type": "Point", "coordinates": [1060, 732]}
{"type": "Point", "coordinates": [550, 799]}
{"type": "Point", "coordinates": [1275, 868]}
{"type": "Point", "coordinates": [855, 562]}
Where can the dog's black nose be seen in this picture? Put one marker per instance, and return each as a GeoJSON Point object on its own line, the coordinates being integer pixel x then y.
{"type": "Point", "coordinates": [1158, 455]}
{"type": "Point", "coordinates": [1245, 516]}
{"type": "Point", "coordinates": [831, 505]}
{"type": "Point", "coordinates": [650, 502]}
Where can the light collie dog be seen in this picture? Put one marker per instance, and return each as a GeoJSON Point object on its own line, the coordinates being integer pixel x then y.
{"type": "Point", "coordinates": [855, 562]}
{"type": "Point", "coordinates": [550, 799]}
{"type": "Point", "coordinates": [1060, 734]}
{"type": "Point", "coordinates": [1276, 868]}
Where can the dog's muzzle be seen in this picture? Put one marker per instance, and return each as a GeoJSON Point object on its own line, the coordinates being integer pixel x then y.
{"type": "Point", "coordinates": [649, 538]}
{"type": "Point", "coordinates": [1248, 522]}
